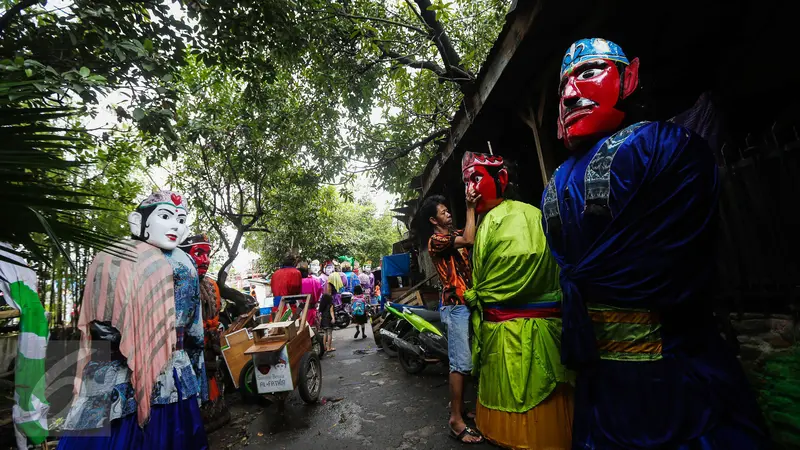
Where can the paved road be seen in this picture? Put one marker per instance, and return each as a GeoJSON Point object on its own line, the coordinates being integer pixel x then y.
{"type": "Point", "coordinates": [370, 403]}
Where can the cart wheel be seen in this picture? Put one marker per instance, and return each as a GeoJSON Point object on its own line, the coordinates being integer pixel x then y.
{"type": "Point", "coordinates": [247, 384]}
{"type": "Point", "coordinates": [317, 345]}
{"type": "Point", "coordinates": [310, 378]}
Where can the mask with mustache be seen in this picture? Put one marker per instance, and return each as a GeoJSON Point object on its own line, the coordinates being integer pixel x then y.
{"type": "Point", "coordinates": [595, 77]}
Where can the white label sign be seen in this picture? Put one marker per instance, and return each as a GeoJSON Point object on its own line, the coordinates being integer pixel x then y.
{"type": "Point", "coordinates": [278, 378]}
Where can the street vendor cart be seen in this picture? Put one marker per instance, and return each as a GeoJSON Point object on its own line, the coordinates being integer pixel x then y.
{"type": "Point", "coordinates": [282, 357]}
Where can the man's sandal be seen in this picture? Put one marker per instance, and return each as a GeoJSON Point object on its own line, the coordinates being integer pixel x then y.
{"type": "Point", "coordinates": [466, 431]}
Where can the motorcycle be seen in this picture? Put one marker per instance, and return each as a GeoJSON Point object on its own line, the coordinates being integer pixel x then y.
{"type": "Point", "coordinates": [341, 313]}
{"type": "Point", "coordinates": [393, 325]}
{"type": "Point", "coordinates": [424, 343]}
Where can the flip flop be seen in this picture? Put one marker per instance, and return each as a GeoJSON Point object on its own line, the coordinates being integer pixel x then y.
{"type": "Point", "coordinates": [467, 431]}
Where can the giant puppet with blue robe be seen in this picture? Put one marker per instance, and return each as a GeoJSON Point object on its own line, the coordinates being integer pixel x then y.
{"type": "Point", "coordinates": [630, 217]}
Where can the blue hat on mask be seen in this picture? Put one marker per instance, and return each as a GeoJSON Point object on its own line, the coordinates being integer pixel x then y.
{"type": "Point", "coordinates": [589, 49]}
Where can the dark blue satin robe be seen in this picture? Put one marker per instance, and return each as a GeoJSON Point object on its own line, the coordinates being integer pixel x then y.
{"type": "Point", "coordinates": [636, 231]}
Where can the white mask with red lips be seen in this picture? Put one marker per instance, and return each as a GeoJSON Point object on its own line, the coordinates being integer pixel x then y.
{"type": "Point", "coordinates": [166, 226]}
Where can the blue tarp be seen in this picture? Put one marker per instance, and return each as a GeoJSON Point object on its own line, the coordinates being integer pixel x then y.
{"type": "Point", "coordinates": [394, 266]}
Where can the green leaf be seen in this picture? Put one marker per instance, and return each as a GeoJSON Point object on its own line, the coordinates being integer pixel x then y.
{"type": "Point", "coordinates": [29, 72]}
{"type": "Point", "coordinates": [148, 45]}
{"type": "Point", "coordinates": [167, 78]}
{"type": "Point", "coordinates": [138, 114]}
{"type": "Point", "coordinates": [53, 237]}
{"type": "Point", "coordinates": [84, 71]}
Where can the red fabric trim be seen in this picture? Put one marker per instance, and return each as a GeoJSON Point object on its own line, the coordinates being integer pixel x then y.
{"type": "Point", "coordinates": [501, 315]}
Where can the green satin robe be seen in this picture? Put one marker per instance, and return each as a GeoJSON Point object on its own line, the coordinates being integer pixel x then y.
{"type": "Point", "coordinates": [518, 360]}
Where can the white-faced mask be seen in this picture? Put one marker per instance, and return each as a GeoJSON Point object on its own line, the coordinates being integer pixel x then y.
{"type": "Point", "coordinates": [367, 268]}
{"type": "Point", "coordinates": [314, 267]}
{"type": "Point", "coordinates": [329, 269]}
{"type": "Point", "coordinates": [165, 227]}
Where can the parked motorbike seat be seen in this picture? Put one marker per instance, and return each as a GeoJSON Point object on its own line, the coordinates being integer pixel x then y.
{"type": "Point", "coordinates": [430, 316]}
{"type": "Point", "coordinates": [400, 306]}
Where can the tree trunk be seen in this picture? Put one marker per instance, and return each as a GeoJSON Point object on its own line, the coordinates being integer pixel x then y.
{"type": "Point", "coordinates": [233, 252]}
{"type": "Point", "coordinates": [52, 283]}
{"type": "Point", "coordinates": [438, 35]}
{"type": "Point", "coordinates": [61, 276]}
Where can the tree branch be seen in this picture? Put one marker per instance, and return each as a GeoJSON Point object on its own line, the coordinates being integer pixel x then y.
{"type": "Point", "coordinates": [406, 150]}
{"type": "Point", "coordinates": [413, 63]}
{"type": "Point", "coordinates": [451, 58]}
{"type": "Point", "coordinates": [377, 19]}
{"type": "Point", "coordinates": [416, 13]}
{"type": "Point", "coordinates": [14, 11]}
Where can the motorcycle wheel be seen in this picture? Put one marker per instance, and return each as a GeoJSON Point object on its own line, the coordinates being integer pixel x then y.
{"type": "Point", "coordinates": [411, 363]}
{"type": "Point", "coordinates": [342, 320]}
{"type": "Point", "coordinates": [387, 343]}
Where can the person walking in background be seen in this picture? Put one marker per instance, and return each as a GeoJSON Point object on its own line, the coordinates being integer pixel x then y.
{"type": "Point", "coordinates": [524, 392]}
{"type": "Point", "coordinates": [310, 286]}
{"type": "Point", "coordinates": [350, 278]}
{"type": "Point", "coordinates": [326, 321]}
{"type": "Point", "coordinates": [337, 268]}
{"type": "Point", "coordinates": [326, 272]}
{"type": "Point", "coordinates": [359, 311]}
{"type": "Point", "coordinates": [447, 248]}
{"type": "Point", "coordinates": [287, 280]}
{"type": "Point", "coordinates": [367, 280]}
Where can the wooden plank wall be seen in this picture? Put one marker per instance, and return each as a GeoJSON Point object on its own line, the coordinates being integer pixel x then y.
{"type": "Point", "coordinates": [758, 243]}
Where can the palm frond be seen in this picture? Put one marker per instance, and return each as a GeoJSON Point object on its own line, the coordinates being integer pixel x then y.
{"type": "Point", "coordinates": [38, 145]}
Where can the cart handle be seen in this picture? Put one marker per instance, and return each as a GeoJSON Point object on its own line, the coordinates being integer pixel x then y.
{"type": "Point", "coordinates": [293, 299]}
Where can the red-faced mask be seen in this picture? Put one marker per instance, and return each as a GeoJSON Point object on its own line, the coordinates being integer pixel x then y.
{"type": "Point", "coordinates": [201, 253]}
{"type": "Point", "coordinates": [590, 91]}
{"type": "Point", "coordinates": [476, 171]}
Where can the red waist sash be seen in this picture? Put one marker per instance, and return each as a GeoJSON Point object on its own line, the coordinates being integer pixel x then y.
{"type": "Point", "coordinates": [501, 315]}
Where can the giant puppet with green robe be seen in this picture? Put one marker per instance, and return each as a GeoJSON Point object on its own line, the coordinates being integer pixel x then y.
{"type": "Point", "coordinates": [524, 393]}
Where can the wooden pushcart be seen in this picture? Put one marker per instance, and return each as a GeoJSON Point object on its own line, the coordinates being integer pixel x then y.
{"type": "Point", "coordinates": [283, 357]}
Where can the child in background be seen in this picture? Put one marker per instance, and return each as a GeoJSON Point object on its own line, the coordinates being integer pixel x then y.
{"type": "Point", "coordinates": [326, 321]}
{"type": "Point", "coordinates": [359, 311]}
{"type": "Point", "coordinates": [377, 296]}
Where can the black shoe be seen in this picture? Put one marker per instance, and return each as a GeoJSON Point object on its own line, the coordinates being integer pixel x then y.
{"type": "Point", "coordinates": [357, 331]}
